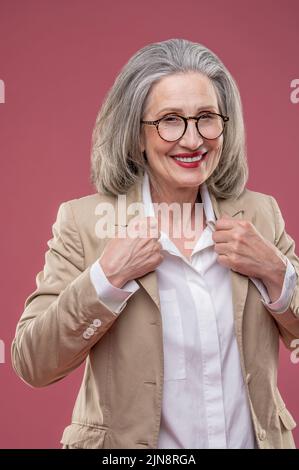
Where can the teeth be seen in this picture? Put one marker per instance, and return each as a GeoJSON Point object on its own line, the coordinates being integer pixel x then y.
{"type": "Point", "coordinates": [189, 159]}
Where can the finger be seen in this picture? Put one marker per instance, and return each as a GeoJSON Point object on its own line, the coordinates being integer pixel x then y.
{"type": "Point", "coordinates": [225, 223]}
{"type": "Point", "coordinates": [222, 248]}
{"type": "Point", "coordinates": [160, 245]}
{"type": "Point", "coordinates": [224, 261]}
{"type": "Point", "coordinates": [222, 236]}
{"type": "Point", "coordinates": [154, 234]}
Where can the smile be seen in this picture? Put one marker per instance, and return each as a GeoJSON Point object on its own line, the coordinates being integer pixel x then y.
{"type": "Point", "coordinates": [190, 159]}
{"type": "Point", "coordinates": [190, 162]}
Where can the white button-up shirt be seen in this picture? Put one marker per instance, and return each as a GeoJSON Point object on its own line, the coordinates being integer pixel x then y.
{"type": "Point", "coordinates": [205, 403]}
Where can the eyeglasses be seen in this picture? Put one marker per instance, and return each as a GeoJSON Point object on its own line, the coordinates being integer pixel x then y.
{"type": "Point", "coordinates": [172, 127]}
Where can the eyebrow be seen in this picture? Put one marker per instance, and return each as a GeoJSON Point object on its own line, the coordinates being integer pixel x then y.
{"type": "Point", "coordinates": [180, 110]}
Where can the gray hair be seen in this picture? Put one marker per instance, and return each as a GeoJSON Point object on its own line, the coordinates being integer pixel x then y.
{"type": "Point", "coordinates": [117, 161]}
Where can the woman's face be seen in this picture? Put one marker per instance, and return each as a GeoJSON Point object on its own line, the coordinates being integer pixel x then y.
{"type": "Point", "coordinates": [187, 95]}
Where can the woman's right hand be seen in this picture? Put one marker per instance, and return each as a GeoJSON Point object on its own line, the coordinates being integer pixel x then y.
{"type": "Point", "coordinates": [134, 254]}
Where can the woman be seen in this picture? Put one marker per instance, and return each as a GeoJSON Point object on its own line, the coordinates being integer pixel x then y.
{"type": "Point", "coordinates": [180, 333]}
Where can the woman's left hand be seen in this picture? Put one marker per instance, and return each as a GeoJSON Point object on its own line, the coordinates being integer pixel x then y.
{"type": "Point", "coordinates": [243, 249]}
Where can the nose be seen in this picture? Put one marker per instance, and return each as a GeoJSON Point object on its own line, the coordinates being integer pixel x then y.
{"type": "Point", "coordinates": [191, 139]}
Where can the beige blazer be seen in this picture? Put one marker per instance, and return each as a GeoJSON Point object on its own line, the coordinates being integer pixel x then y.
{"type": "Point", "coordinates": [119, 402]}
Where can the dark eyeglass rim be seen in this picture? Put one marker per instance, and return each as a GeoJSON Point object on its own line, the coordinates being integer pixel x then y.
{"type": "Point", "coordinates": [186, 119]}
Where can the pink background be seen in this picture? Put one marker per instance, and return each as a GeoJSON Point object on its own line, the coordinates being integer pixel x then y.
{"type": "Point", "coordinates": [58, 59]}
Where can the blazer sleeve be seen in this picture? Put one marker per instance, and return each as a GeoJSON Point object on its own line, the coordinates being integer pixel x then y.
{"type": "Point", "coordinates": [288, 322]}
{"type": "Point", "coordinates": [51, 339]}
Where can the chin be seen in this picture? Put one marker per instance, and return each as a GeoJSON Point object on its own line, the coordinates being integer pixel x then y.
{"type": "Point", "coordinates": [190, 182]}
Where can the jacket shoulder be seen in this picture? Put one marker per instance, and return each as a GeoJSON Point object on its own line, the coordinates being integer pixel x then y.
{"type": "Point", "coordinates": [90, 200]}
{"type": "Point", "coordinates": [79, 218]}
{"type": "Point", "coordinates": [262, 210]}
{"type": "Point", "coordinates": [252, 203]}
{"type": "Point", "coordinates": [85, 206]}
{"type": "Point", "coordinates": [259, 204]}
{"type": "Point", "coordinates": [250, 197]}
{"type": "Point", "coordinates": [82, 212]}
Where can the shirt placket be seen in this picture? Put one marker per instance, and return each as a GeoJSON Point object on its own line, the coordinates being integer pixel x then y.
{"type": "Point", "coordinates": [210, 348]}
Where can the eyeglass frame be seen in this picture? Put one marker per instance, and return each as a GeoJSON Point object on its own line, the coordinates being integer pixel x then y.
{"type": "Point", "coordinates": [186, 119]}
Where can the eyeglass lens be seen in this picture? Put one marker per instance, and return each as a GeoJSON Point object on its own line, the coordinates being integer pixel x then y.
{"type": "Point", "coordinates": [172, 128]}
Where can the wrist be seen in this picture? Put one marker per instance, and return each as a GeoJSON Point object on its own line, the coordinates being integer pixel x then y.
{"type": "Point", "coordinates": [114, 277]}
{"type": "Point", "coordinates": [116, 281]}
{"type": "Point", "coordinates": [275, 270]}
{"type": "Point", "coordinates": [273, 277]}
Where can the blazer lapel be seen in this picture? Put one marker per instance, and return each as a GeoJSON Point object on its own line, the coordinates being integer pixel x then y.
{"type": "Point", "coordinates": [149, 282]}
{"type": "Point", "coordinates": [234, 209]}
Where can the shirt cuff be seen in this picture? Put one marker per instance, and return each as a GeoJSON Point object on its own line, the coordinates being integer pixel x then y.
{"type": "Point", "coordinates": [113, 297]}
{"type": "Point", "coordinates": [281, 305]}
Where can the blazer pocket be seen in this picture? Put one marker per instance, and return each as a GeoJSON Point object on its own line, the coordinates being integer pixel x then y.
{"type": "Point", "coordinates": [83, 436]}
{"type": "Point", "coordinates": [285, 416]}
{"type": "Point", "coordinates": [287, 419]}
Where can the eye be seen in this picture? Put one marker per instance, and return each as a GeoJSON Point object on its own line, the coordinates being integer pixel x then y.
{"type": "Point", "coordinates": [172, 118]}
{"type": "Point", "coordinates": [205, 116]}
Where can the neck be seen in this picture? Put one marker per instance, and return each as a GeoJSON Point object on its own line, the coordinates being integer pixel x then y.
{"type": "Point", "coordinates": [177, 195]}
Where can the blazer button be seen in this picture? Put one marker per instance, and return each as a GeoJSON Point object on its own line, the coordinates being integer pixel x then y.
{"type": "Point", "coordinates": [97, 322]}
{"type": "Point", "coordinates": [86, 335]}
{"type": "Point", "coordinates": [89, 331]}
{"type": "Point", "coordinates": [262, 435]}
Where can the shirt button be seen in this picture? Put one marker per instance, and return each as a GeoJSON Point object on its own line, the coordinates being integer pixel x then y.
{"type": "Point", "coordinates": [89, 331]}
{"type": "Point", "coordinates": [97, 322]}
{"type": "Point", "coordinates": [262, 435]}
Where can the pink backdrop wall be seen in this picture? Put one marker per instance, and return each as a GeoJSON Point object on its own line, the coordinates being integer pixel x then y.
{"type": "Point", "coordinates": [57, 60]}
